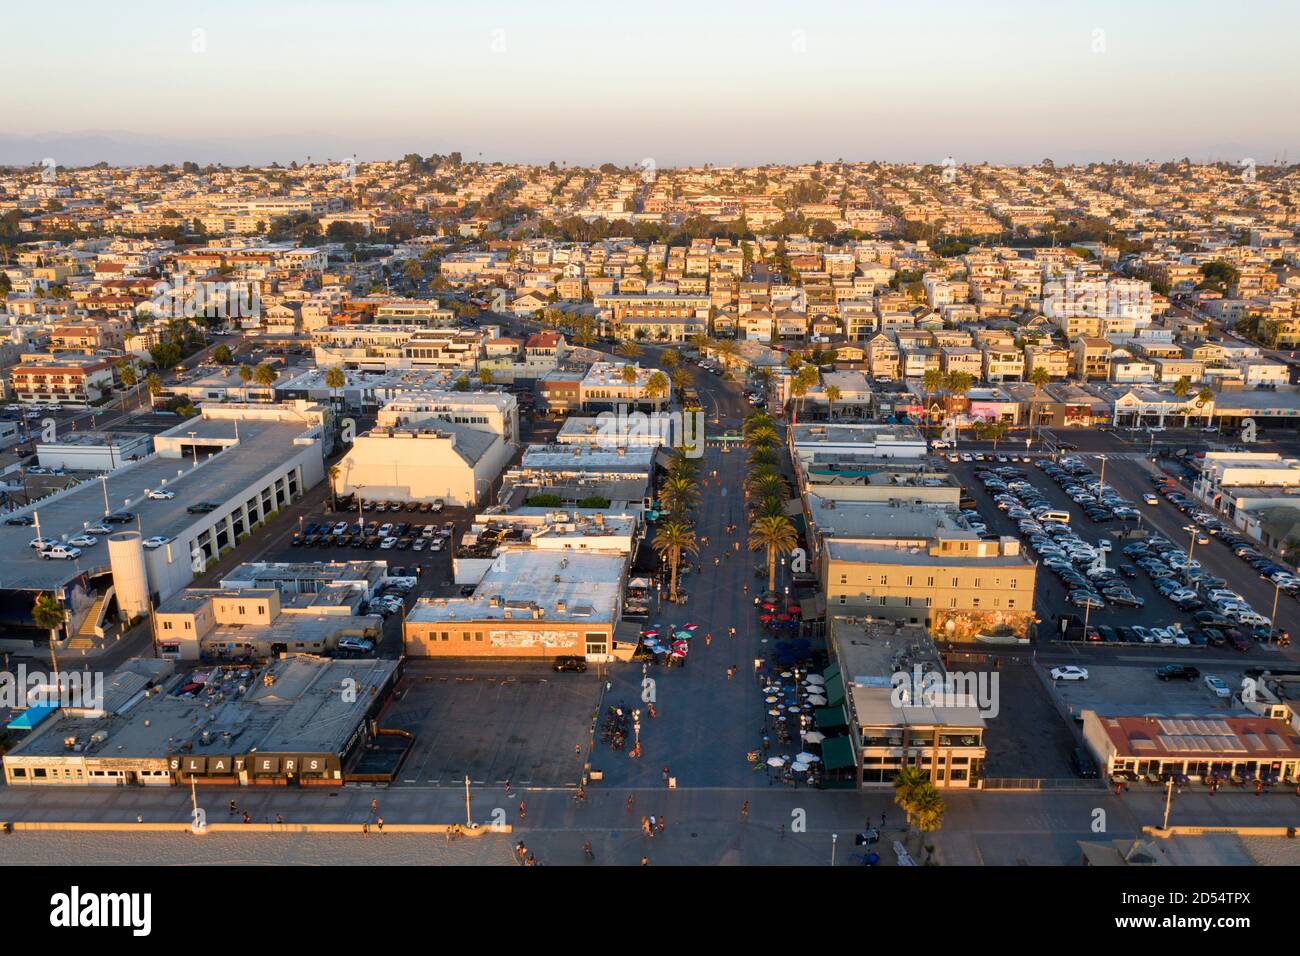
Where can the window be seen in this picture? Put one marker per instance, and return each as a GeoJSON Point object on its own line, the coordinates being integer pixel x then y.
{"type": "Point", "coordinates": [844, 599]}
{"type": "Point", "coordinates": [977, 582]}
{"type": "Point", "coordinates": [1013, 584]}
{"type": "Point", "coordinates": [1011, 604]}
{"type": "Point", "coordinates": [909, 580]}
{"type": "Point", "coordinates": [167, 625]}
{"type": "Point", "coordinates": [883, 599]}
{"type": "Point", "coordinates": [929, 582]}
{"type": "Point", "coordinates": [884, 579]}
{"type": "Point", "coordinates": [975, 602]}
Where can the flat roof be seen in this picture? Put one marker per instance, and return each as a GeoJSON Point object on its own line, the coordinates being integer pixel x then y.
{"type": "Point", "coordinates": [874, 707]}
{"type": "Point", "coordinates": [263, 445]}
{"type": "Point", "coordinates": [300, 710]}
{"type": "Point", "coordinates": [879, 519]}
{"type": "Point", "coordinates": [519, 581]}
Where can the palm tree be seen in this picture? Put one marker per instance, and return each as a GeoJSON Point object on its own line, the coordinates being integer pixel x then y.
{"type": "Point", "coordinates": [762, 436]}
{"type": "Point", "coordinates": [334, 472]}
{"type": "Point", "coordinates": [774, 534]}
{"type": "Point", "coordinates": [768, 486]}
{"type": "Point", "coordinates": [907, 783]}
{"type": "Point", "coordinates": [927, 808]}
{"type": "Point", "coordinates": [48, 613]}
{"type": "Point", "coordinates": [757, 420]}
{"type": "Point", "coordinates": [991, 430]}
{"type": "Point", "coordinates": [1204, 398]}
{"type": "Point", "coordinates": [334, 380]}
{"type": "Point", "coordinates": [672, 539]}
{"type": "Point", "coordinates": [763, 456]}
{"type": "Point", "coordinates": [670, 360]}
{"type": "Point", "coordinates": [656, 387]}
{"type": "Point", "coordinates": [932, 381]}
{"type": "Point", "coordinates": [832, 396]}
{"type": "Point", "coordinates": [682, 467]}
{"type": "Point", "coordinates": [628, 374]}
{"type": "Point", "coordinates": [1038, 377]}
{"type": "Point", "coordinates": [126, 372]}
{"type": "Point", "coordinates": [679, 495]}
{"type": "Point", "coordinates": [629, 350]}
{"type": "Point", "coordinates": [245, 373]}
{"type": "Point", "coordinates": [154, 385]}
{"type": "Point", "coordinates": [265, 376]}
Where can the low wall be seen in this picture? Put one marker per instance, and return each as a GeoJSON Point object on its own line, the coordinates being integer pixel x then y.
{"type": "Point", "coordinates": [127, 827]}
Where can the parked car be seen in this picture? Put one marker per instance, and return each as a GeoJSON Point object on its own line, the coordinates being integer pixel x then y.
{"type": "Point", "coordinates": [155, 542]}
{"type": "Point", "coordinates": [1217, 686]}
{"type": "Point", "coordinates": [1082, 763]}
{"type": "Point", "coordinates": [61, 553]}
{"type": "Point", "coordinates": [569, 663]}
{"type": "Point", "coordinates": [1177, 672]}
{"type": "Point", "coordinates": [1069, 672]}
{"type": "Point", "coordinates": [161, 494]}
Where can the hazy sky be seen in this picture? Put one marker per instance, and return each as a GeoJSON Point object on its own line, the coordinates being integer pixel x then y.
{"type": "Point", "coordinates": [681, 82]}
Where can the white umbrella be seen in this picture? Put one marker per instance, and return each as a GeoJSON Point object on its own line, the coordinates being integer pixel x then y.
{"type": "Point", "coordinates": [817, 700]}
{"type": "Point", "coordinates": [807, 758]}
{"type": "Point", "coordinates": [799, 767]}
{"type": "Point", "coordinates": [816, 679]}
{"type": "Point", "coordinates": [814, 736]}
{"type": "Point", "coordinates": [775, 762]}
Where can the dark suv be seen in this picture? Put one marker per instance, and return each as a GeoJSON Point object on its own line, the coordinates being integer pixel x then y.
{"type": "Point", "coordinates": [576, 664]}
{"type": "Point", "coordinates": [1177, 672]}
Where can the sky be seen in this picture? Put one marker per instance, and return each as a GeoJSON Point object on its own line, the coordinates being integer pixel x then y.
{"type": "Point", "coordinates": [718, 81]}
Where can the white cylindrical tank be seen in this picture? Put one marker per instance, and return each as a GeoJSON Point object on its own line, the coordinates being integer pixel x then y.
{"type": "Point", "coordinates": [130, 575]}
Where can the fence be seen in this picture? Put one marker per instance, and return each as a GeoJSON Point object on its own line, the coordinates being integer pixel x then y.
{"type": "Point", "coordinates": [1041, 783]}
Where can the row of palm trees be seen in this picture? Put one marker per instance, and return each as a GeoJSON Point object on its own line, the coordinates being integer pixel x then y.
{"type": "Point", "coordinates": [679, 495]}
{"type": "Point", "coordinates": [770, 530]}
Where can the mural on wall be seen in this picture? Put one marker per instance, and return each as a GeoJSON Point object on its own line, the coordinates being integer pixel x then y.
{"type": "Point", "coordinates": [533, 638]}
{"type": "Point", "coordinates": [970, 625]}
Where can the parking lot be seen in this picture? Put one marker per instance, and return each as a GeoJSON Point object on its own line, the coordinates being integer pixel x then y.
{"type": "Point", "coordinates": [493, 721]}
{"type": "Point", "coordinates": [1028, 738]}
{"type": "Point", "coordinates": [1128, 691]}
{"type": "Point", "coordinates": [1132, 587]}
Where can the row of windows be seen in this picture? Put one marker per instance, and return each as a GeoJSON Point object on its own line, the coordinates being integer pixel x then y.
{"type": "Point", "coordinates": [929, 581]}
{"type": "Point", "coordinates": [884, 601]}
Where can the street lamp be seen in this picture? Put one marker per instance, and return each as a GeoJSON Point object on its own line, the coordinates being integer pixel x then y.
{"type": "Point", "coordinates": [1272, 618]}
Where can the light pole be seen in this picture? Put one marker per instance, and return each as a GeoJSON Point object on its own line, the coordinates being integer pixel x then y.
{"type": "Point", "coordinates": [1169, 799]}
{"type": "Point", "coordinates": [1187, 573]}
{"type": "Point", "coordinates": [1272, 618]}
{"type": "Point", "coordinates": [834, 839]}
{"type": "Point", "coordinates": [468, 821]}
{"type": "Point", "coordinates": [103, 480]}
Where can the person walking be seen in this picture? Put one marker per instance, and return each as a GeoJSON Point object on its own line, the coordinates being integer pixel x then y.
{"type": "Point", "coordinates": [645, 861]}
{"type": "Point", "coordinates": [631, 799]}
{"type": "Point", "coordinates": [587, 852]}
{"type": "Point", "coordinates": [665, 774]}
{"type": "Point", "coordinates": [782, 831]}
{"type": "Point", "coordinates": [744, 811]}
{"type": "Point", "coordinates": [708, 641]}
{"type": "Point", "coordinates": [234, 810]}
{"type": "Point", "coordinates": [522, 812]}
{"type": "Point", "coordinates": [660, 826]}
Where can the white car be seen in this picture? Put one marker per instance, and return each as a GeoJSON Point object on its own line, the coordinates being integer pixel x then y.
{"type": "Point", "coordinates": [340, 528]}
{"type": "Point", "coordinates": [159, 494]}
{"type": "Point", "coordinates": [61, 553]}
{"type": "Point", "coordinates": [155, 542]}
{"type": "Point", "coordinates": [99, 528]}
{"type": "Point", "coordinates": [387, 544]}
{"type": "Point", "coordinates": [84, 541]}
{"type": "Point", "coordinates": [1151, 499]}
{"type": "Point", "coordinates": [1069, 672]}
{"type": "Point", "coordinates": [40, 544]}
{"type": "Point", "coordinates": [1217, 686]}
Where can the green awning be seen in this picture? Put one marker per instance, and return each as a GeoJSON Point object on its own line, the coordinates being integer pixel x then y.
{"type": "Point", "coordinates": [835, 691]}
{"type": "Point", "coordinates": [831, 671]}
{"type": "Point", "coordinates": [829, 718]}
{"type": "Point", "coordinates": [837, 753]}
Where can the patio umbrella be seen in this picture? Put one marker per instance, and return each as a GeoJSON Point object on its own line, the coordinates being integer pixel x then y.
{"type": "Point", "coordinates": [794, 609]}
{"type": "Point", "coordinates": [765, 618]}
{"type": "Point", "coordinates": [783, 617]}
{"type": "Point", "coordinates": [683, 635]}
{"type": "Point", "coordinates": [768, 606]}
{"type": "Point", "coordinates": [799, 767]}
{"type": "Point", "coordinates": [775, 762]}
{"type": "Point", "coordinates": [650, 632]}
{"type": "Point", "coordinates": [807, 758]}
{"type": "Point", "coordinates": [814, 736]}
{"type": "Point", "coordinates": [689, 627]}
{"type": "Point", "coordinates": [816, 679]}
{"type": "Point", "coordinates": [769, 700]}
{"type": "Point", "coordinates": [817, 700]}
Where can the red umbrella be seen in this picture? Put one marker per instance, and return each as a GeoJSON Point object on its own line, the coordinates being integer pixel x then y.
{"type": "Point", "coordinates": [794, 609]}
{"type": "Point", "coordinates": [765, 618]}
{"type": "Point", "coordinates": [783, 617]}
{"type": "Point", "coordinates": [768, 605]}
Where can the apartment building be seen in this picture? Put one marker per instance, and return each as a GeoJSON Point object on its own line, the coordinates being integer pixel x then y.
{"type": "Point", "coordinates": [61, 378]}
